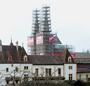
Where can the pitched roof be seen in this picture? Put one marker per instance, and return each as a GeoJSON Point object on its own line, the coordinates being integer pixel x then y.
{"type": "Point", "coordinates": [83, 70]}
{"type": "Point", "coordinates": [11, 51]}
{"type": "Point", "coordinates": [46, 59]}
{"type": "Point", "coordinates": [82, 55]}
{"type": "Point", "coordinates": [65, 56]}
{"type": "Point", "coordinates": [58, 41]}
{"type": "Point", "coordinates": [50, 59]}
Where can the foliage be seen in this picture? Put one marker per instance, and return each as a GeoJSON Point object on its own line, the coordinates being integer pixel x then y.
{"type": "Point", "coordinates": [46, 83]}
{"type": "Point", "coordinates": [80, 83]}
{"type": "Point", "coordinates": [48, 78]}
{"type": "Point", "coordinates": [54, 83]}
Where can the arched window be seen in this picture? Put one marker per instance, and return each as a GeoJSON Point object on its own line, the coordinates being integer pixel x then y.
{"type": "Point", "coordinates": [69, 59]}
{"type": "Point", "coordinates": [10, 58]}
{"type": "Point", "coordinates": [25, 58]}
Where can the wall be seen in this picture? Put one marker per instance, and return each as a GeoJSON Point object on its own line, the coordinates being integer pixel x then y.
{"type": "Point", "coordinates": [20, 72]}
{"type": "Point", "coordinates": [83, 76]}
{"type": "Point", "coordinates": [7, 74]}
{"type": "Point", "coordinates": [67, 71]}
{"type": "Point", "coordinates": [54, 69]}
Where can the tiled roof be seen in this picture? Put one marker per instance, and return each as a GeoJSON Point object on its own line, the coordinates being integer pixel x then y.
{"type": "Point", "coordinates": [83, 70]}
{"type": "Point", "coordinates": [10, 50]}
{"type": "Point", "coordinates": [50, 59]}
{"type": "Point", "coordinates": [65, 56]}
{"type": "Point", "coordinates": [82, 55]}
{"type": "Point", "coordinates": [46, 59]}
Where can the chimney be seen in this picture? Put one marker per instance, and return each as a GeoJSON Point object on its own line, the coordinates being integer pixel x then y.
{"type": "Point", "coordinates": [17, 45]}
{"type": "Point", "coordinates": [0, 46]}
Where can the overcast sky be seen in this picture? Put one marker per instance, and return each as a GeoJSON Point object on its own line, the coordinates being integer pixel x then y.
{"type": "Point", "coordinates": [69, 18]}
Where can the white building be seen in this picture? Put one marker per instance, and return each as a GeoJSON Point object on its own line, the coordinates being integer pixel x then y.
{"type": "Point", "coordinates": [50, 65]}
{"type": "Point", "coordinates": [15, 64]}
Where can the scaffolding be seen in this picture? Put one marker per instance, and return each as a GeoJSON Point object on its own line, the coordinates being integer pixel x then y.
{"type": "Point", "coordinates": [41, 27]}
{"type": "Point", "coordinates": [42, 40]}
{"type": "Point", "coordinates": [35, 30]}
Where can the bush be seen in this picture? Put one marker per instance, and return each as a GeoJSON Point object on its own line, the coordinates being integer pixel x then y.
{"type": "Point", "coordinates": [80, 83]}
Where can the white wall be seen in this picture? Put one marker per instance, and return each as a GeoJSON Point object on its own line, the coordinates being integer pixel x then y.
{"type": "Point", "coordinates": [48, 66]}
{"type": "Point", "coordinates": [67, 71]}
{"type": "Point", "coordinates": [7, 74]}
{"type": "Point", "coordinates": [20, 72]}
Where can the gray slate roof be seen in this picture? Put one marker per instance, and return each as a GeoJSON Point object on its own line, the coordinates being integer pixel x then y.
{"type": "Point", "coordinates": [46, 59]}
{"type": "Point", "coordinates": [51, 59]}
{"type": "Point", "coordinates": [11, 51]}
{"type": "Point", "coordinates": [82, 55]}
{"type": "Point", "coordinates": [83, 70]}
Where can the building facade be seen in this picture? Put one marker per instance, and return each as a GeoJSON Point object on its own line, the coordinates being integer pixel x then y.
{"type": "Point", "coordinates": [83, 65]}
{"type": "Point", "coordinates": [16, 65]}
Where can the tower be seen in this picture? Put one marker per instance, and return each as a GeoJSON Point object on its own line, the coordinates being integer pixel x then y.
{"type": "Point", "coordinates": [35, 30]}
{"type": "Point", "coordinates": [43, 47]}
{"type": "Point", "coordinates": [42, 39]}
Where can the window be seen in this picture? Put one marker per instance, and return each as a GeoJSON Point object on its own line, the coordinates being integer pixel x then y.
{"type": "Point", "coordinates": [25, 67]}
{"type": "Point", "coordinates": [69, 59]}
{"type": "Point", "coordinates": [70, 76]}
{"type": "Point", "coordinates": [78, 60]}
{"type": "Point", "coordinates": [25, 58]}
{"type": "Point", "coordinates": [7, 69]}
{"type": "Point", "coordinates": [70, 67]}
{"type": "Point", "coordinates": [79, 77]}
{"type": "Point", "coordinates": [82, 60]}
{"type": "Point", "coordinates": [7, 82]}
{"type": "Point", "coordinates": [16, 69]}
{"type": "Point", "coordinates": [87, 77]}
{"type": "Point", "coordinates": [59, 71]}
{"type": "Point", "coordinates": [36, 71]}
{"type": "Point", "coordinates": [48, 71]}
{"type": "Point", "coordinates": [26, 76]}
{"type": "Point", "coordinates": [10, 58]}
{"type": "Point", "coordinates": [11, 65]}
{"type": "Point", "coordinates": [16, 81]}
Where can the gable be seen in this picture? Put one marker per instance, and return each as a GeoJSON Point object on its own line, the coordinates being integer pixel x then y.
{"type": "Point", "coordinates": [67, 57]}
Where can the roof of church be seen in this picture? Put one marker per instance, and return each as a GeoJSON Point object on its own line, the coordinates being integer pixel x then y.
{"type": "Point", "coordinates": [58, 41]}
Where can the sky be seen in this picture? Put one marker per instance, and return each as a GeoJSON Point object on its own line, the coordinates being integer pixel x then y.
{"type": "Point", "coordinates": [70, 19]}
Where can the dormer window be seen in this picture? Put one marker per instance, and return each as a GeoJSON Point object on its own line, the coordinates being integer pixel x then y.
{"type": "Point", "coordinates": [25, 58]}
{"type": "Point", "coordinates": [69, 59]}
{"type": "Point", "coordinates": [10, 58]}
